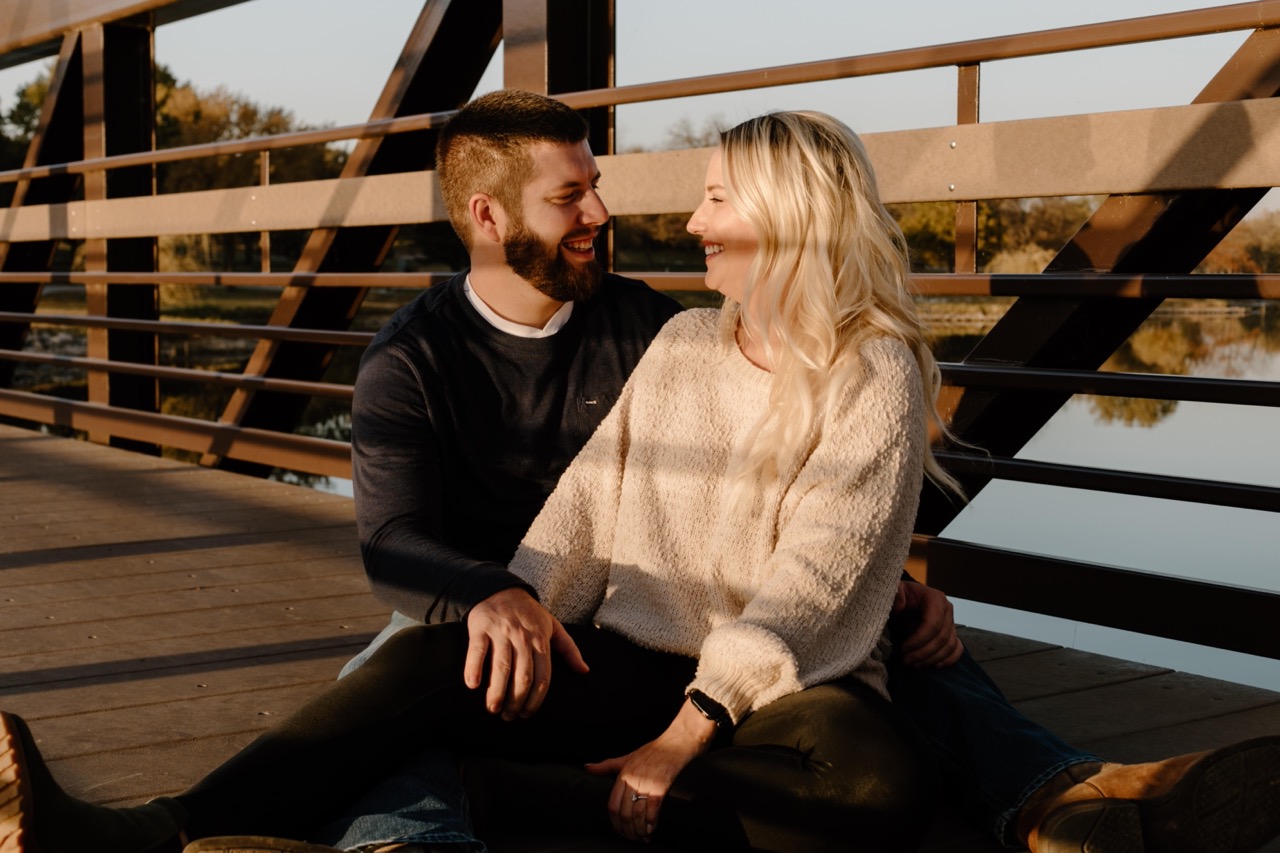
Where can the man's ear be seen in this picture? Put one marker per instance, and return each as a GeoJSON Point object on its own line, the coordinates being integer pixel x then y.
{"type": "Point", "coordinates": [487, 216]}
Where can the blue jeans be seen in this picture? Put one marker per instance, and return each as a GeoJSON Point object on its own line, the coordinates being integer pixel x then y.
{"type": "Point", "coordinates": [424, 803]}
{"type": "Point", "coordinates": [992, 757]}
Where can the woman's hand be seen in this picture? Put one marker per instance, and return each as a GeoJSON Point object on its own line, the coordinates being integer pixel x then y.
{"type": "Point", "coordinates": [645, 775]}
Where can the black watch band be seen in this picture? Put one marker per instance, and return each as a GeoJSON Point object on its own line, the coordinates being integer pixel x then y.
{"type": "Point", "coordinates": [710, 708]}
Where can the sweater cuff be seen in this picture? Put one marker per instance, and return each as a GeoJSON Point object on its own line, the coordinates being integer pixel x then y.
{"type": "Point", "coordinates": [745, 667]}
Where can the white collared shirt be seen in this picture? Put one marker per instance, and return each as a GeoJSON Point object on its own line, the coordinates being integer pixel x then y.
{"type": "Point", "coordinates": [502, 324]}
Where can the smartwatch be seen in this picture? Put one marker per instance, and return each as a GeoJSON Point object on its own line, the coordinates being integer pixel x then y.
{"type": "Point", "coordinates": [711, 709]}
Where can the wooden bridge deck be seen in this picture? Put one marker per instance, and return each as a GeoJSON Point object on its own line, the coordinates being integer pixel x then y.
{"type": "Point", "coordinates": [155, 616]}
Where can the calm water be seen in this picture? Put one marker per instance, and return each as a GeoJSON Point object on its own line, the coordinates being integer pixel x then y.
{"type": "Point", "coordinates": [1223, 545]}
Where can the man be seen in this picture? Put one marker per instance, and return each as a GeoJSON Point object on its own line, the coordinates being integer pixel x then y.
{"type": "Point", "coordinates": [470, 404]}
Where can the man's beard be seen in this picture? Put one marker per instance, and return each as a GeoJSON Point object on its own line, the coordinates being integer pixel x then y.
{"type": "Point", "coordinates": [546, 269]}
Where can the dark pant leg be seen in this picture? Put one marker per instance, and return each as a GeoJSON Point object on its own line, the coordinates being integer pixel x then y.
{"type": "Point", "coordinates": [410, 694]}
{"type": "Point", "coordinates": [306, 768]}
{"type": "Point", "coordinates": [827, 768]}
{"type": "Point", "coordinates": [991, 756]}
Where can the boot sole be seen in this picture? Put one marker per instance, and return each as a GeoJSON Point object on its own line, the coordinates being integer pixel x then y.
{"type": "Point", "coordinates": [15, 793]}
{"type": "Point", "coordinates": [1227, 803]}
{"type": "Point", "coordinates": [1093, 826]}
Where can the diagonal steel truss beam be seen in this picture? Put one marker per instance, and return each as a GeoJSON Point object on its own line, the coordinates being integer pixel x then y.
{"type": "Point", "coordinates": [57, 139]}
{"type": "Point", "coordinates": [553, 46]}
{"type": "Point", "coordinates": [444, 57]}
{"type": "Point", "coordinates": [1150, 233]}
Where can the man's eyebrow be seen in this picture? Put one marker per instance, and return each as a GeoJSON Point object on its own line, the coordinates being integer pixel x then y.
{"type": "Point", "coordinates": [568, 185]}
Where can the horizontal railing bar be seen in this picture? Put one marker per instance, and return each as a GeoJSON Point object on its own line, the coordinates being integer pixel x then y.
{"type": "Point", "coordinates": [234, 279]}
{"type": "Point", "coordinates": [1042, 42]}
{"type": "Point", "coordinates": [388, 280]}
{"type": "Point", "coordinates": [1250, 286]}
{"type": "Point", "coordinates": [219, 330]}
{"type": "Point", "coordinates": [1111, 286]}
{"type": "Point", "coordinates": [186, 374]}
{"type": "Point", "coordinates": [1234, 286]}
{"type": "Point", "coordinates": [1239, 495]}
{"type": "Point", "coordinates": [1041, 157]}
{"type": "Point", "coordinates": [1039, 43]}
{"type": "Point", "coordinates": [1146, 385]}
{"type": "Point", "coordinates": [1225, 617]}
{"type": "Point", "coordinates": [248, 145]}
{"type": "Point", "coordinates": [283, 450]}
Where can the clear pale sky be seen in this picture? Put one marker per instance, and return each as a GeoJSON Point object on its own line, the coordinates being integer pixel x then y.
{"type": "Point", "coordinates": [328, 64]}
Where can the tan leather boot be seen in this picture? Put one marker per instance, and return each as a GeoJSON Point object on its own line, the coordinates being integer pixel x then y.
{"type": "Point", "coordinates": [254, 844]}
{"type": "Point", "coordinates": [1224, 801]}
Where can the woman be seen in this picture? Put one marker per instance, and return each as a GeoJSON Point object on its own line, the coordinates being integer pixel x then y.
{"type": "Point", "coordinates": [724, 552]}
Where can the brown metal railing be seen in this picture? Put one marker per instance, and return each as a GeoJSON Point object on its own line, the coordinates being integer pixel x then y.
{"type": "Point", "coordinates": [988, 574]}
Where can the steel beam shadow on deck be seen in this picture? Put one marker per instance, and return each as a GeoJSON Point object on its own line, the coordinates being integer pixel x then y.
{"type": "Point", "coordinates": [212, 660]}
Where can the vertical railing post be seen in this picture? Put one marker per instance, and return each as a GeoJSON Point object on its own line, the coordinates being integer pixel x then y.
{"type": "Point", "coordinates": [264, 237]}
{"type": "Point", "coordinates": [93, 61]}
{"type": "Point", "coordinates": [552, 46]}
{"type": "Point", "coordinates": [966, 243]}
{"type": "Point", "coordinates": [119, 118]}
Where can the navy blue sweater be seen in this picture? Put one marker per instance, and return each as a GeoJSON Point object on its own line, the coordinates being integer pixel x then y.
{"type": "Point", "coordinates": [460, 432]}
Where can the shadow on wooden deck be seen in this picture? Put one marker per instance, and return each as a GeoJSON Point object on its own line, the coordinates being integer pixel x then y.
{"type": "Point", "coordinates": [156, 616]}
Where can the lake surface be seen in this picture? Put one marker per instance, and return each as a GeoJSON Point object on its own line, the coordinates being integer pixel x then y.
{"type": "Point", "coordinates": [1201, 440]}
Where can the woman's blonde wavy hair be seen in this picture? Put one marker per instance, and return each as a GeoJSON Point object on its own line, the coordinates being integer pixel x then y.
{"type": "Point", "coordinates": [831, 272]}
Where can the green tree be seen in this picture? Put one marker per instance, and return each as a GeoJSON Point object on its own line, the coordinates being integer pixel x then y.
{"type": "Point", "coordinates": [23, 117]}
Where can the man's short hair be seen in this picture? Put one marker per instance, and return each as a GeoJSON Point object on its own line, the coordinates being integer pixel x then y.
{"type": "Point", "coordinates": [484, 148]}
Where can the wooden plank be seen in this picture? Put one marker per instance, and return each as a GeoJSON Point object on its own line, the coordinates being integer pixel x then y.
{"type": "Point", "coordinates": [159, 724]}
{"type": "Point", "coordinates": [176, 685]}
{"type": "Point", "coordinates": [155, 528]}
{"type": "Point", "coordinates": [129, 777]}
{"type": "Point", "coordinates": [1119, 710]}
{"type": "Point", "coordinates": [1209, 733]}
{"type": "Point", "coordinates": [152, 519]}
{"type": "Point", "coordinates": [90, 611]}
{"type": "Point", "coordinates": [101, 638]}
{"type": "Point", "coordinates": [71, 594]}
{"type": "Point", "coordinates": [1054, 672]}
{"type": "Point", "coordinates": [985, 646]}
{"type": "Point", "coordinates": [176, 555]}
{"type": "Point", "coordinates": [199, 652]}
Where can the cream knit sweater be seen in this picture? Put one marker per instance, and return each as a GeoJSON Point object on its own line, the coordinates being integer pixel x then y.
{"type": "Point", "coordinates": [637, 537]}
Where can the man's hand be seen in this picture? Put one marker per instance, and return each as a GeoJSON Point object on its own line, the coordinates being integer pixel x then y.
{"type": "Point", "coordinates": [517, 634]}
{"type": "Point", "coordinates": [934, 642]}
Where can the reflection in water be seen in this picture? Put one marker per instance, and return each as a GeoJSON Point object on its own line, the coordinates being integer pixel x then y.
{"type": "Point", "coordinates": [1200, 440]}
{"type": "Point", "coordinates": [1228, 341]}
